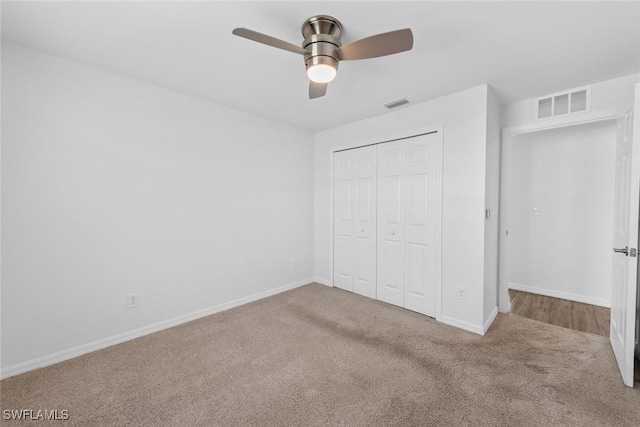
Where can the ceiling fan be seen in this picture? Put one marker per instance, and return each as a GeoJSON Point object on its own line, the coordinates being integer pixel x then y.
{"type": "Point", "coordinates": [323, 51]}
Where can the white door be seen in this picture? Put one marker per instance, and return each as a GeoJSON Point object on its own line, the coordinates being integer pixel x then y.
{"type": "Point", "coordinates": [409, 205]}
{"type": "Point", "coordinates": [422, 223]}
{"type": "Point", "coordinates": [343, 194]}
{"type": "Point", "coordinates": [625, 242]}
{"type": "Point", "coordinates": [391, 176]}
{"type": "Point", "coordinates": [355, 220]}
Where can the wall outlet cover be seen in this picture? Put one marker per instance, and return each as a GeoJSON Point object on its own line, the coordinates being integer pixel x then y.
{"type": "Point", "coordinates": [133, 300]}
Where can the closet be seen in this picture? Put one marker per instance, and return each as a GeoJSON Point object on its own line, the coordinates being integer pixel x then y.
{"type": "Point", "coordinates": [387, 221]}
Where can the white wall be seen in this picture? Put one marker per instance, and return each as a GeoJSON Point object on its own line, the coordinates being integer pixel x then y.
{"type": "Point", "coordinates": [112, 186]}
{"type": "Point", "coordinates": [492, 202]}
{"type": "Point", "coordinates": [568, 174]}
{"type": "Point", "coordinates": [463, 116]}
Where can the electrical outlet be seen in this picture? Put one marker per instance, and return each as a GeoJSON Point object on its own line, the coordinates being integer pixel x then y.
{"type": "Point", "coordinates": [462, 294]}
{"type": "Point", "coordinates": [133, 300]}
{"type": "Point", "coordinates": [294, 265]}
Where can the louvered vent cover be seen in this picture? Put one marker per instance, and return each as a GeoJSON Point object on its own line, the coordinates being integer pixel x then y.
{"type": "Point", "coordinates": [573, 101]}
{"type": "Point", "coordinates": [396, 103]}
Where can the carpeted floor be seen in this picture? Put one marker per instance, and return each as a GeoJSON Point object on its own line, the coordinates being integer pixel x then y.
{"type": "Point", "coordinates": [322, 356]}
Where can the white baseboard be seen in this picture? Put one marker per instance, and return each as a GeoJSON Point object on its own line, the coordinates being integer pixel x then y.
{"type": "Point", "coordinates": [476, 329]}
{"type": "Point", "coordinates": [490, 319]}
{"type": "Point", "coordinates": [70, 353]}
{"type": "Point", "coordinates": [452, 321]}
{"type": "Point", "coordinates": [325, 282]}
{"type": "Point", "coordinates": [559, 294]}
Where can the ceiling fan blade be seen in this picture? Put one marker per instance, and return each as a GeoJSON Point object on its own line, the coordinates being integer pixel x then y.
{"type": "Point", "coordinates": [378, 45]}
{"type": "Point", "coordinates": [268, 40]}
{"type": "Point", "coordinates": [316, 90]}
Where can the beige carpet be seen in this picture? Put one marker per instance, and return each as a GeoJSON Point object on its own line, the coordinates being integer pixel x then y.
{"type": "Point", "coordinates": [322, 356]}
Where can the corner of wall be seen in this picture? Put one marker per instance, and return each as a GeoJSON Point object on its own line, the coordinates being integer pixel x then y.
{"type": "Point", "coordinates": [461, 324]}
{"type": "Point", "coordinates": [322, 281]}
{"type": "Point", "coordinates": [489, 320]}
{"type": "Point", "coordinates": [492, 206]}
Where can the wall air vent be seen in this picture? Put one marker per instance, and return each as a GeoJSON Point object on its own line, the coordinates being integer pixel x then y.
{"type": "Point", "coordinates": [397, 103]}
{"type": "Point", "coordinates": [563, 103]}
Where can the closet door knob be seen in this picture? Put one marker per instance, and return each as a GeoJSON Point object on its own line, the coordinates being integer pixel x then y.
{"type": "Point", "coordinates": [393, 233]}
{"type": "Point", "coordinates": [362, 231]}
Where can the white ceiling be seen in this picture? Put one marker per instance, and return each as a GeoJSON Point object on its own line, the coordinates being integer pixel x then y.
{"type": "Point", "coordinates": [521, 49]}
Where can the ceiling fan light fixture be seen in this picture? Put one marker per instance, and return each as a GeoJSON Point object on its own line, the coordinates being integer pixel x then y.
{"type": "Point", "coordinates": [321, 73]}
{"type": "Point", "coordinates": [322, 49]}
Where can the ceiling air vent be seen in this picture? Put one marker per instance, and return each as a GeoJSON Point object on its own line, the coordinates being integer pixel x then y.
{"type": "Point", "coordinates": [563, 103]}
{"type": "Point", "coordinates": [397, 103]}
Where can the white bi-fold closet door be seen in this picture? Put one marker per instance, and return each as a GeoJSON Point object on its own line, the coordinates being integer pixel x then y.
{"type": "Point", "coordinates": [387, 221]}
{"type": "Point", "coordinates": [409, 206]}
{"type": "Point", "coordinates": [354, 223]}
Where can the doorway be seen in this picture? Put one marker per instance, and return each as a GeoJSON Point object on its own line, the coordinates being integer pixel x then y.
{"type": "Point", "coordinates": [624, 230]}
{"type": "Point", "coordinates": [560, 224]}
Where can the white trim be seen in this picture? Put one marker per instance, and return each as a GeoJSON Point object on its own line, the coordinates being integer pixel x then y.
{"type": "Point", "coordinates": [562, 121]}
{"type": "Point", "coordinates": [73, 352]}
{"type": "Point", "coordinates": [440, 184]}
{"type": "Point", "coordinates": [559, 294]}
{"type": "Point", "coordinates": [331, 201]}
{"type": "Point", "coordinates": [461, 324]}
{"type": "Point", "coordinates": [325, 282]}
{"type": "Point", "coordinates": [505, 183]}
{"type": "Point", "coordinates": [490, 319]}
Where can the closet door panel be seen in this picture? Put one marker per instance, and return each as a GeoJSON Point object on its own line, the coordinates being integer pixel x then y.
{"type": "Point", "coordinates": [391, 223]}
{"type": "Point", "coordinates": [422, 200]}
{"type": "Point", "coordinates": [354, 220]}
{"type": "Point", "coordinates": [343, 201]}
{"type": "Point", "coordinates": [417, 259]}
{"type": "Point", "coordinates": [365, 221]}
{"type": "Point", "coordinates": [342, 266]}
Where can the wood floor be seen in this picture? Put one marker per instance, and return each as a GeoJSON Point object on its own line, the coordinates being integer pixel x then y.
{"type": "Point", "coordinates": [560, 312]}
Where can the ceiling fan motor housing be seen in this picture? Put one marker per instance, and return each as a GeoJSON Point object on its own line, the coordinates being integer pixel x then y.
{"type": "Point", "coordinates": [322, 39]}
